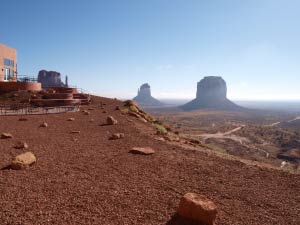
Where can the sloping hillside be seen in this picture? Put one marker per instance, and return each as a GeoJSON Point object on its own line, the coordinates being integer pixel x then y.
{"type": "Point", "coordinates": [86, 178]}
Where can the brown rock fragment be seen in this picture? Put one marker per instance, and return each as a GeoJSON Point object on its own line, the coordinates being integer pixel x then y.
{"type": "Point", "coordinates": [111, 121]}
{"type": "Point", "coordinates": [71, 119]}
{"type": "Point", "coordinates": [142, 150]}
{"type": "Point", "coordinates": [6, 136]}
{"type": "Point", "coordinates": [23, 119]}
{"type": "Point", "coordinates": [44, 125]}
{"type": "Point", "coordinates": [21, 145]}
{"type": "Point", "coordinates": [117, 136]}
{"type": "Point", "coordinates": [198, 208]}
{"type": "Point", "coordinates": [23, 161]}
{"type": "Point", "coordinates": [75, 132]}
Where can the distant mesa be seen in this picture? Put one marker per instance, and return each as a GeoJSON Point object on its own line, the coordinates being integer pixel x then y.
{"type": "Point", "coordinates": [144, 98]}
{"type": "Point", "coordinates": [50, 79]}
{"type": "Point", "coordinates": [211, 94]}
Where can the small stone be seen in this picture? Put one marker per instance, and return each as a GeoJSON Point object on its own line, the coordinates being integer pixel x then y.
{"type": "Point", "coordinates": [142, 150]}
{"type": "Point", "coordinates": [117, 108]}
{"type": "Point", "coordinates": [71, 119]}
{"type": "Point", "coordinates": [91, 109]}
{"type": "Point", "coordinates": [91, 120]}
{"type": "Point", "coordinates": [21, 145]}
{"type": "Point", "coordinates": [23, 161]}
{"type": "Point", "coordinates": [44, 125]}
{"type": "Point", "coordinates": [117, 136]}
{"type": "Point", "coordinates": [23, 119]}
{"type": "Point", "coordinates": [160, 139]}
{"type": "Point", "coordinates": [104, 111]}
{"type": "Point", "coordinates": [75, 132]}
{"type": "Point", "coordinates": [134, 114]}
{"type": "Point", "coordinates": [87, 113]}
{"type": "Point", "coordinates": [143, 120]}
{"type": "Point", "coordinates": [6, 136]}
{"type": "Point", "coordinates": [198, 208]}
{"type": "Point", "coordinates": [111, 121]}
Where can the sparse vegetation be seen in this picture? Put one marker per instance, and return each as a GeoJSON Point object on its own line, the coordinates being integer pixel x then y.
{"type": "Point", "coordinates": [160, 129]}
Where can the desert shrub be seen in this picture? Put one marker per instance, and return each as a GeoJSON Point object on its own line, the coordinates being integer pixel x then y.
{"type": "Point", "coordinates": [133, 108]}
{"type": "Point", "coordinates": [160, 129]}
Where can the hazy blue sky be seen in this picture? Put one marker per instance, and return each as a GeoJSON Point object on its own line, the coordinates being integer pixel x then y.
{"type": "Point", "coordinates": [111, 47]}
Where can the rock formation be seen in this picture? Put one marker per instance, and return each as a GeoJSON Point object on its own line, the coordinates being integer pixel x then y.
{"type": "Point", "coordinates": [144, 98]}
{"type": "Point", "coordinates": [211, 94]}
{"type": "Point", "coordinates": [50, 79]}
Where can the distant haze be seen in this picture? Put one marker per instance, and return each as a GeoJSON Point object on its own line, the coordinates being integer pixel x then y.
{"type": "Point", "coordinates": [112, 47]}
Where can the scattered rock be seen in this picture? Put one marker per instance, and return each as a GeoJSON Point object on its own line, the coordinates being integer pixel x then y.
{"type": "Point", "coordinates": [87, 113]}
{"type": "Point", "coordinates": [23, 161]}
{"type": "Point", "coordinates": [117, 108]}
{"type": "Point", "coordinates": [111, 121]}
{"type": "Point", "coordinates": [194, 141]}
{"type": "Point", "coordinates": [6, 136]}
{"type": "Point", "coordinates": [23, 119]}
{"type": "Point", "coordinates": [134, 114]}
{"type": "Point", "coordinates": [21, 145]}
{"type": "Point", "coordinates": [198, 208]}
{"type": "Point", "coordinates": [117, 136]}
{"type": "Point", "coordinates": [91, 120]}
{"type": "Point", "coordinates": [104, 111]}
{"type": "Point", "coordinates": [143, 120]}
{"type": "Point", "coordinates": [75, 132]}
{"type": "Point", "coordinates": [44, 125]}
{"type": "Point", "coordinates": [142, 150]}
{"type": "Point", "coordinates": [167, 138]}
{"type": "Point", "coordinates": [283, 164]}
{"type": "Point", "coordinates": [160, 139]}
{"type": "Point", "coordinates": [71, 119]}
{"type": "Point", "coordinates": [90, 109]}
{"type": "Point", "coordinates": [15, 95]}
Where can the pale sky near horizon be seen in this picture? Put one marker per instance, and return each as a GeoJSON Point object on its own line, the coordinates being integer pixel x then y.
{"type": "Point", "coordinates": [111, 47]}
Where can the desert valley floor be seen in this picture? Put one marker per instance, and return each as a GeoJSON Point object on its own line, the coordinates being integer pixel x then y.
{"type": "Point", "coordinates": [85, 178]}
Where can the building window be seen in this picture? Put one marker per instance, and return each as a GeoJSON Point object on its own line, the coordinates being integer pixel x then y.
{"type": "Point", "coordinates": [8, 62]}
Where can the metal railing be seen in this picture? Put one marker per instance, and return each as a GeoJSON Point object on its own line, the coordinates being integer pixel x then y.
{"type": "Point", "coordinates": [26, 78]}
{"type": "Point", "coordinates": [26, 109]}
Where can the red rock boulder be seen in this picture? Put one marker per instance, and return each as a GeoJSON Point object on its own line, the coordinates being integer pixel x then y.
{"type": "Point", "coordinates": [197, 208]}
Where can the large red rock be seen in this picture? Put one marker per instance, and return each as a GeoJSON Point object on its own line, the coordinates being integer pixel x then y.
{"type": "Point", "coordinates": [142, 150]}
{"type": "Point", "coordinates": [23, 161]}
{"type": "Point", "coordinates": [198, 208]}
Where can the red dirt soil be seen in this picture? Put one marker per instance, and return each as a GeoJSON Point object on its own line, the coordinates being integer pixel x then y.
{"type": "Point", "coordinates": [88, 179]}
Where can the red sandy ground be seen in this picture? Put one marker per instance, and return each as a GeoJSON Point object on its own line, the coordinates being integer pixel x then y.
{"type": "Point", "coordinates": [88, 179]}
